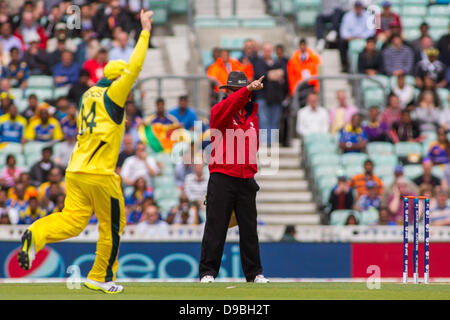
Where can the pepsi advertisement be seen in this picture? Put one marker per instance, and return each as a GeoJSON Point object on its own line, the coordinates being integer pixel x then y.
{"type": "Point", "coordinates": [170, 260]}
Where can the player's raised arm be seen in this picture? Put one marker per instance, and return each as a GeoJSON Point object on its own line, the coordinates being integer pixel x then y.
{"type": "Point", "coordinates": [120, 88]}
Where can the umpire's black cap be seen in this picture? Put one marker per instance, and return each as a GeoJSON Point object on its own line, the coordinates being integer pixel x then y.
{"type": "Point", "coordinates": [236, 79]}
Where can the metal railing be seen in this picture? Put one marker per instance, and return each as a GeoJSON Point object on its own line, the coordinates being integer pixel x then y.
{"type": "Point", "coordinates": [194, 92]}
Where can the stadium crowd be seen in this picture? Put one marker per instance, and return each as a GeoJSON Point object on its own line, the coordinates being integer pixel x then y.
{"type": "Point", "coordinates": [35, 40]}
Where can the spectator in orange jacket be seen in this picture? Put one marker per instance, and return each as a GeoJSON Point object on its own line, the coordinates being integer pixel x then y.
{"type": "Point", "coordinates": [220, 69]}
{"type": "Point", "coordinates": [303, 64]}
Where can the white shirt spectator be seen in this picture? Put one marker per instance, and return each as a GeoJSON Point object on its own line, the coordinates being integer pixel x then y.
{"type": "Point", "coordinates": [152, 229]}
{"type": "Point", "coordinates": [118, 53]}
{"type": "Point", "coordinates": [195, 187]}
{"type": "Point", "coordinates": [9, 43]}
{"type": "Point", "coordinates": [62, 153]}
{"type": "Point", "coordinates": [440, 216]}
{"type": "Point", "coordinates": [134, 168]}
{"type": "Point", "coordinates": [312, 121]}
{"type": "Point", "coordinates": [405, 94]}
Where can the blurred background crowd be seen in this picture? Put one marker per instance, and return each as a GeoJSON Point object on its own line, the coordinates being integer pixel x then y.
{"type": "Point", "coordinates": [360, 162]}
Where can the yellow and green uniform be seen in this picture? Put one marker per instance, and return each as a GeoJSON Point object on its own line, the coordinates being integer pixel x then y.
{"type": "Point", "coordinates": [91, 182]}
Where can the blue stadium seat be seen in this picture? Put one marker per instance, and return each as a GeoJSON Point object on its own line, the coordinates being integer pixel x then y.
{"type": "Point", "coordinates": [439, 10]}
{"type": "Point", "coordinates": [40, 81]}
{"type": "Point", "coordinates": [178, 6]}
{"type": "Point", "coordinates": [353, 159]}
{"type": "Point", "coordinates": [414, 10]}
{"type": "Point", "coordinates": [380, 148]}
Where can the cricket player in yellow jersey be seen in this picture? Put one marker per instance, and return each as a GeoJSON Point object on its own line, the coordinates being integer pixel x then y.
{"type": "Point", "coordinates": [91, 182]}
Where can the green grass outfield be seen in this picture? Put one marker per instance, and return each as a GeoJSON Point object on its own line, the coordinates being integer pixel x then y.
{"type": "Point", "coordinates": [230, 291]}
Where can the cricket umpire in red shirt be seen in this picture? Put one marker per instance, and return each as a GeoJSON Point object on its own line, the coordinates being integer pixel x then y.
{"type": "Point", "coordinates": [231, 186]}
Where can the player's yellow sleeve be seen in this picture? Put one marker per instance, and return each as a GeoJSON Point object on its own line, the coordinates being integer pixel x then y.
{"type": "Point", "coordinates": [119, 90]}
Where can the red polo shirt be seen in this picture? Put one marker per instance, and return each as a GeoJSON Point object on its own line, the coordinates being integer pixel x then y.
{"type": "Point", "coordinates": [235, 135]}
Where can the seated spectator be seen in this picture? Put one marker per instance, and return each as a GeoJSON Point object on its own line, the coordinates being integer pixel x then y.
{"type": "Point", "coordinates": [29, 25]}
{"type": "Point", "coordinates": [95, 66]}
{"type": "Point", "coordinates": [55, 56]}
{"type": "Point", "coordinates": [330, 12]}
{"type": "Point", "coordinates": [139, 165]}
{"type": "Point", "coordinates": [398, 177]}
{"type": "Point", "coordinates": [374, 129]}
{"type": "Point", "coordinates": [427, 177]}
{"type": "Point", "coordinates": [54, 178]}
{"type": "Point", "coordinates": [289, 234]}
{"type": "Point", "coordinates": [370, 60]}
{"type": "Point", "coordinates": [161, 116]}
{"type": "Point", "coordinates": [16, 71]}
{"type": "Point", "coordinates": [30, 191]}
{"type": "Point", "coordinates": [184, 114]}
{"type": "Point", "coordinates": [395, 200]}
{"type": "Point", "coordinates": [303, 64]}
{"type": "Point", "coordinates": [405, 130]}
{"type": "Point", "coordinates": [440, 214]}
{"type": "Point", "coordinates": [398, 58]}
{"type": "Point", "coordinates": [127, 151]}
{"type": "Point", "coordinates": [354, 26]}
{"type": "Point", "coordinates": [371, 200]}
{"type": "Point", "coordinates": [427, 114]}
{"type": "Point", "coordinates": [351, 220]}
{"type": "Point", "coordinates": [17, 205]}
{"type": "Point", "coordinates": [68, 116]}
{"type": "Point", "coordinates": [428, 94]}
{"type": "Point", "coordinates": [404, 91]}
{"type": "Point", "coordinates": [150, 222]}
{"type": "Point", "coordinates": [40, 170]}
{"type": "Point", "coordinates": [384, 217]}
{"type": "Point", "coordinates": [185, 213]}
{"type": "Point", "coordinates": [392, 112]}
{"type": "Point", "coordinates": [341, 115]}
{"type": "Point", "coordinates": [341, 196]}
{"type": "Point", "coordinates": [420, 54]}
{"type": "Point", "coordinates": [77, 90]}
{"type": "Point", "coordinates": [359, 181]}
{"type": "Point", "coordinates": [352, 137]}
{"type": "Point", "coordinates": [10, 174]}
{"type": "Point", "coordinates": [185, 167]}
{"type": "Point", "coordinates": [31, 110]}
{"type": "Point", "coordinates": [60, 34]}
{"type": "Point", "coordinates": [387, 17]}
{"type": "Point", "coordinates": [219, 70]}
{"type": "Point", "coordinates": [113, 15]}
{"type": "Point", "coordinates": [439, 150]}
{"type": "Point", "coordinates": [4, 214]}
{"type": "Point", "coordinates": [140, 193]}
{"type": "Point", "coordinates": [35, 57]}
{"type": "Point", "coordinates": [63, 150]}
{"type": "Point", "coordinates": [132, 109]}
{"type": "Point", "coordinates": [122, 51]}
{"type": "Point", "coordinates": [8, 40]}
{"type": "Point", "coordinates": [424, 32]}
{"type": "Point", "coordinates": [32, 212]}
{"type": "Point", "coordinates": [59, 203]}
{"type": "Point", "coordinates": [432, 68]}
{"type": "Point", "coordinates": [312, 118]}
{"type": "Point", "coordinates": [443, 46]}
{"type": "Point", "coordinates": [67, 71]}
{"type": "Point", "coordinates": [196, 184]}
{"type": "Point", "coordinates": [44, 127]}
{"type": "Point", "coordinates": [12, 126]}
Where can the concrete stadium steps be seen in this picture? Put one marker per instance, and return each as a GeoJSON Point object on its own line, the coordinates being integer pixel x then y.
{"type": "Point", "coordinates": [285, 196]}
{"type": "Point", "coordinates": [295, 219]}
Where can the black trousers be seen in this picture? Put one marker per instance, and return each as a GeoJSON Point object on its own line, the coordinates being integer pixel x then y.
{"type": "Point", "coordinates": [225, 194]}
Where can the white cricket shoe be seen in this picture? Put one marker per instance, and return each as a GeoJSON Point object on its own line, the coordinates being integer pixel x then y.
{"type": "Point", "coordinates": [260, 279]}
{"type": "Point", "coordinates": [207, 279]}
{"type": "Point", "coordinates": [106, 287]}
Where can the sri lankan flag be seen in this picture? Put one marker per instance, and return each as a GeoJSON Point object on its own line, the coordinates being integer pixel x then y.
{"type": "Point", "coordinates": [161, 133]}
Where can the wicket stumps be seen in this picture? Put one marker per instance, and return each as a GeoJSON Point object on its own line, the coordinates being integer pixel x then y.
{"type": "Point", "coordinates": [426, 272]}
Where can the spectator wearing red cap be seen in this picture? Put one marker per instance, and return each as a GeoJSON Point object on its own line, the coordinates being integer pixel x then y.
{"type": "Point", "coordinates": [388, 20]}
